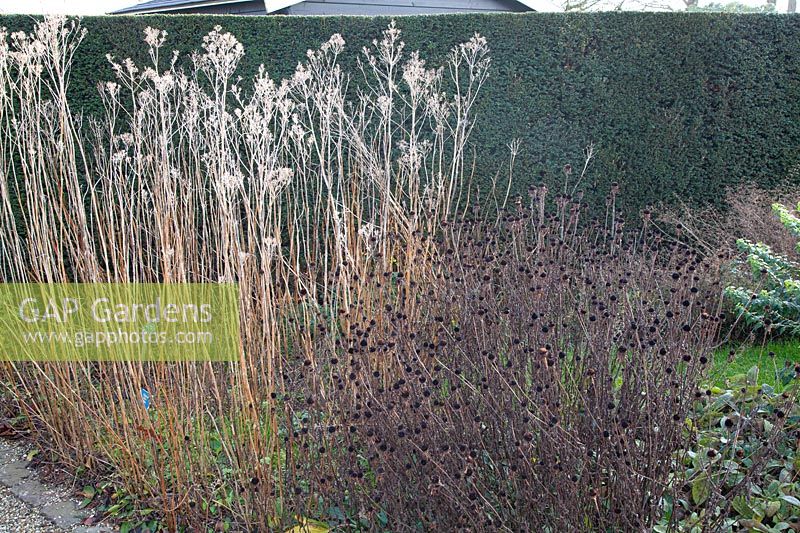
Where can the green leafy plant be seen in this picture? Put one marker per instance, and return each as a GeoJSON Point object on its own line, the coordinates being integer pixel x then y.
{"type": "Point", "coordinates": [774, 305]}
{"type": "Point", "coordinates": [741, 461]}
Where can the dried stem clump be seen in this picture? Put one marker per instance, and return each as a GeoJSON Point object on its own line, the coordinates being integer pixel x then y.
{"type": "Point", "coordinates": [543, 386]}
{"type": "Point", "coordinates": [292, 189]}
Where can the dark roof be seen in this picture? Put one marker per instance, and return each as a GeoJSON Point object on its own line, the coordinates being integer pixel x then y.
{"type": "Point", "coordinates": [169, 5]}
{"type": "Point", "coordinates": [272, 5]}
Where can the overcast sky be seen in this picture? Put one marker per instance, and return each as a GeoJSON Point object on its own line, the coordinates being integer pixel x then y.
{"type": "Point", "coordinates": [69, 7]}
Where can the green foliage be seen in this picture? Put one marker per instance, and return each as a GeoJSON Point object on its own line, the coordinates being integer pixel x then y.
{"type": "Point", "coordinates": [774, 305]}
{"type": "Point", "coordinates": [776, 361]}
{"type": "Point", "coordinates": [742, 463]}
{"type": "Point", "coordinates": [788, 219]}
{"type": "Point", "coordinates": [676, 104]}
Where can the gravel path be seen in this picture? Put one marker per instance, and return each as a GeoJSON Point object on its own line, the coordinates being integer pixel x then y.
{"type": "Point", "coordinates": [29, 506]}
{"type": "Point", "coordinates": [17, 516]}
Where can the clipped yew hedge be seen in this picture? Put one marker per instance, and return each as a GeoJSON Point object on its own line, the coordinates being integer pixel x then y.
{"type": "Point", "coordinates": [675, 104]}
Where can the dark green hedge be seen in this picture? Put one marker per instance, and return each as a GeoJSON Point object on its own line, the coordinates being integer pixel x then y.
{"type": "Point", "coordinates": [676, 104]}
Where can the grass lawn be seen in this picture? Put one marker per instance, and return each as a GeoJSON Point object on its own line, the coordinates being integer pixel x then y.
{"type": "Point", "coordinates": [746, 357]}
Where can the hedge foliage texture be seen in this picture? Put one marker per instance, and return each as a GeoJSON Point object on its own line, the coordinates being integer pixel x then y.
{"type": "Point", "coordinates": [675, 104]}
